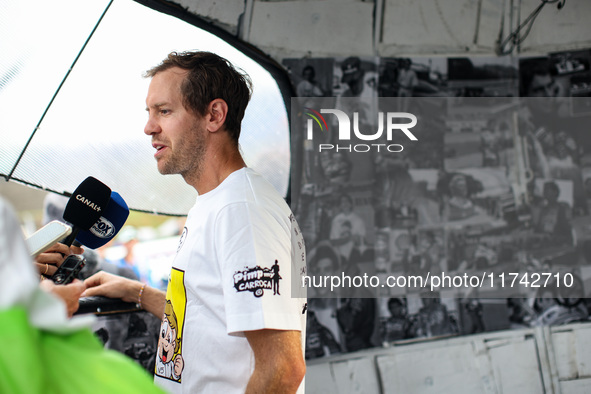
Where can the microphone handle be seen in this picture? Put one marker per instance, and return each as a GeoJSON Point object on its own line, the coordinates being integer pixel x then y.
{"type": "Point", "coordinates": [99, 305]}
{"type": "Point", "coordinates": [70, 238]}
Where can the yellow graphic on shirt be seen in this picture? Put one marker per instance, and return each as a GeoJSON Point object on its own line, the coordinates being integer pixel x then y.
{"type": "Point", "coordinates": [169, 359]}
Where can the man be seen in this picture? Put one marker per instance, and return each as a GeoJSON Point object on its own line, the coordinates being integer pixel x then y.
{"type": "Point", "coordinates": [231, 333]}
{"type": "Point", "coordinates": [308, 87]}
{"type": "Point", "coordinates": [398, 325]}
{"type": "Point", "coordinates": [359, 82]}
{"type": "Point", "coordinates": [347, 230]}
{"type": "Point", "coordinates": [538, 81]}
{"type": "Point", "coordinates": [553, 217]}
{"type": "Point", "coordinates": [407, 79]}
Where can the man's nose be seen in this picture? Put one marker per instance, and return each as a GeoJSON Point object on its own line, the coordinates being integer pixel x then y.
{"type": "Point", "coordinates": [151, 127]}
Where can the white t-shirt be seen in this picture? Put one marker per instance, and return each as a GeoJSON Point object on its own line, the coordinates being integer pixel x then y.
{"type": "Point", "coordinates": [232, 273]}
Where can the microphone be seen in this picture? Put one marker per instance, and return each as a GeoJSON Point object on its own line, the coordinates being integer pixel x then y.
{"type": "Point", "coordinates": [85, 206]}
{"type": "Point", "coordinates": [107, 226]}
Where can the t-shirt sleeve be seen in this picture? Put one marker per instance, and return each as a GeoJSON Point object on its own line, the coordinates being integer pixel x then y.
{"type": "Point", "coordinates": [255, 253]}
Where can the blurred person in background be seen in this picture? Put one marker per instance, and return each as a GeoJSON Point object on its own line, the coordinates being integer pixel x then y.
{"type": "Point", "coordinates": [127, 238]}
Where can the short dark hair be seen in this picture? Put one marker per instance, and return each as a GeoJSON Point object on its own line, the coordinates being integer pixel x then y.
{"type": "Point", "coordinates": [324, 250]}
{"type": "Point", "coordinates": [529, 68]}
{"type": "Point", "coordinates": [309, 68]}
{"type": "Point", "coordinates": [394, 302]}
{"type": "Point", "coordinates": [552, 185]}
{"type": "Point", "coordinates": [210, 77]}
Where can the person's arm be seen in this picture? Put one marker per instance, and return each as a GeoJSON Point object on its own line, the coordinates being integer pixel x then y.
{"type": "Point", "coordinates": [279, 361]}
{"type": "Point", "coordinates": [128, 290]}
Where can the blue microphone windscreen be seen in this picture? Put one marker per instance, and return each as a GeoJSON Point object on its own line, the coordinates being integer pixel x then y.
{"type": "Point", "coordinates": [108, 225]}
{"type": "Point", "coordinates": [87, 203]}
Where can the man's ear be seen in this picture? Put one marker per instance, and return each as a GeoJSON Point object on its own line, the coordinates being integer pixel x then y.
{"type": "Point", "coordinates": [216, 115]}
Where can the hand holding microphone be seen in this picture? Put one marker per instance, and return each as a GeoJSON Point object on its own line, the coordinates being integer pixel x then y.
{"type": "Point", "coordinates": [102, 231]}
{"type": "Point", "coordinates": [106, 226]}
{"type": "Point", "coordinates": [94, 224]}
{"type": "Point", "coordinates": [82, 210]}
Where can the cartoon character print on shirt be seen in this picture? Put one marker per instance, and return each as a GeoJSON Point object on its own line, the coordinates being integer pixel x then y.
{"type": "Point", "coordinates": [169, 358]}
{"type": "Point", "coordinates": [258, 279]}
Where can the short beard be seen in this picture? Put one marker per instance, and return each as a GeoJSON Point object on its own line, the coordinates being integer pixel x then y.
{"type": "Point", "coordinates": [188, 161]}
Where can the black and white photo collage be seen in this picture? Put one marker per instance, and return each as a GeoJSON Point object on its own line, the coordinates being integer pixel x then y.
{"type": "Point", "coordinates": [499, 183]}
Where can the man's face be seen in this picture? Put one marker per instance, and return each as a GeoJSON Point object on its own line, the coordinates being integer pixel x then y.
{"type": "Point", "coordinates": [178, 135]}
{"type": "Point", "coordinates": [551, 193]}
{"type": "Point", "coordinates": [325, 267]}
{"type": "Point", "coordinates": [167, 341]}
{"type": "Point", "coordinates": [346, 230]}
{"type": "Point", "coordinates": [396, 310]}
{"type": "Point", "coordinates": [459, 187]}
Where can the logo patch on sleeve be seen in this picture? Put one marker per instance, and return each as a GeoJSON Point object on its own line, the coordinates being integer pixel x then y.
{"type": "Point", "coordinates": [257, 280]}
